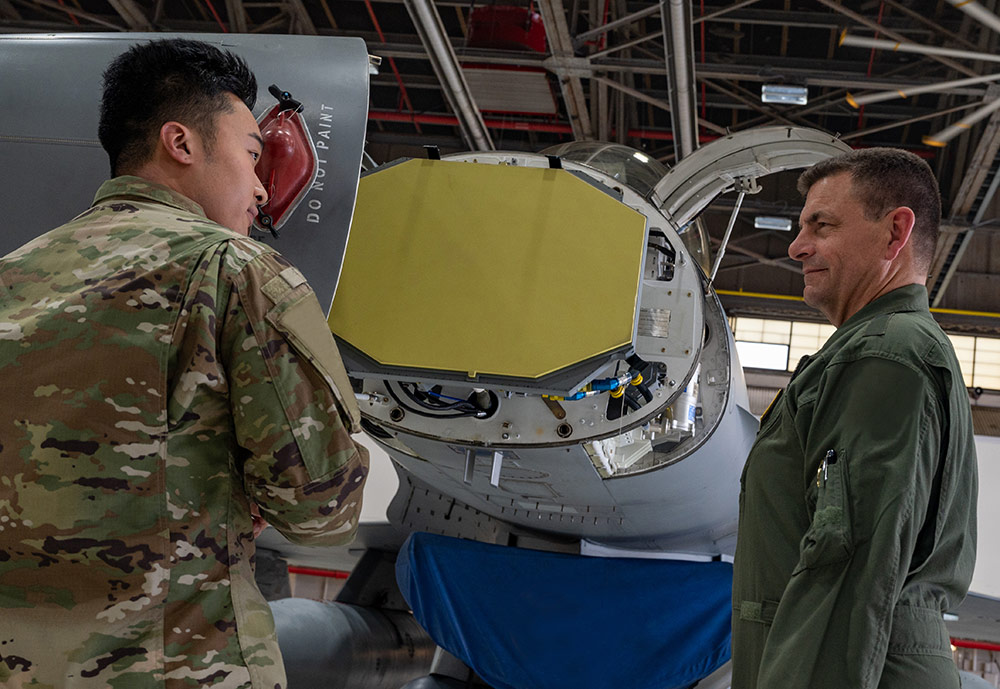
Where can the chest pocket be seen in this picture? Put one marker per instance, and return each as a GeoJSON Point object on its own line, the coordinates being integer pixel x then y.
{"type": "Point", "coordinates": [828, 539]}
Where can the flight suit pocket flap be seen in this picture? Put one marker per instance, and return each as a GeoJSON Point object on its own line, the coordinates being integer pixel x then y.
{"type": "Point", "coordinates": [828, 539]}
{"type": "Point", "coordinates": [302, 320]}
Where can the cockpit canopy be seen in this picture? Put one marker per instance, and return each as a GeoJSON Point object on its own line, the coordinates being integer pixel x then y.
{"type": "Point", "coordinates": [632, 168]}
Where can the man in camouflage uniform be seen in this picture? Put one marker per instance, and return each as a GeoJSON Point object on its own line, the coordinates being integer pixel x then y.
{"type": "Point", "coordinates": [858, 504]}
{"type": "Point", "coordinates": [163, 376]}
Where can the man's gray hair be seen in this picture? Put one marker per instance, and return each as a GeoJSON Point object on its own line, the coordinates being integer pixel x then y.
{"type": "Point", "coordinates": [884, 179]}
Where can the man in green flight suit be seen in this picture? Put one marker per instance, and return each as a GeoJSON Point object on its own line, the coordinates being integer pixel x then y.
{"type": "Point", "coordinates": [164, 377]}
{"type": "Point", "coordinates": [858, 500]}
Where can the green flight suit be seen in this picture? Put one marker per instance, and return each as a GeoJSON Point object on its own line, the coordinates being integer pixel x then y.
{"type": "Point", "coordinates": [159, 372]}
{"type": "Point", "coordinates": [858, 512]}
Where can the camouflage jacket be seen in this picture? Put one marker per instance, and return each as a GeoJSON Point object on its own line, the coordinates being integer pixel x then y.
{"type": "Point", "coordinates": [158, 373]}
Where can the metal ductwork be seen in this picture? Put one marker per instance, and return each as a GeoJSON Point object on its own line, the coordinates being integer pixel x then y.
{"type": "Point", "coordinates": [339, 646]}
{"type": "Point", "coordinates": [907, 92]}
{"type": "Point", "coordinates": [978, 13]}
{"type": "Point", "coordinates": [906, 47]}
{"type": "Point", "coordinates": [449, 73]}
{"type": "Point", "coordinates": [942, 137]}
{"type": "Point", "coordinates": [561, 46]}
{"type": "Point", "coordinates": [678, 45]}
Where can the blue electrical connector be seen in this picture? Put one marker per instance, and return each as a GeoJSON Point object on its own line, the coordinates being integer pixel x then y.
{"type": "Point", "coordinates": [600, 385]}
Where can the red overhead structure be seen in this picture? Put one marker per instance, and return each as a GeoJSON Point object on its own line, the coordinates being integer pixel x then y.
{"type": "Point", "coordinates": [511, 89]}
{"type": "Point", "coordinates": [505, 27]}
{"type": "Point", "coordinates": [551, 127]}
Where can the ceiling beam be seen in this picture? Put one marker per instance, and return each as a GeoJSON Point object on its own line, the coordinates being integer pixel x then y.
{"type": "Point", "coordinates": [561, 45]}
{"type": "Point", "coordinates": [93, 18]}
{"type": "Point", "coordinates": [712, 16]}
{"type": "Point", "coordinates": [432, 34]}
{"type": "Point", "coordinates": [328, 13]}
{"type": "Point", "coordinates": [580, 38]}
{"type": "Point", "coordinates": [8, 10]}
{"type": "Point", "coordinates": [603, 132]}
{"type": "Point", "coordinates": [678, 49]}
{"type": "Point", "coordinates": [272, 23]}
{"type": "Point", "coordinates": [655, 102]}
{"type": "Point", "coordinates": [752, 103]}
{"type": "Point", "coordinates": [301, 21]}
{"type": "Point", "coordinates": [951, 247]}
{"type": "Point", "coordinates": [875, 26]}
{"type": "Point", "coordinates": [934, 26]}
{"type": "Point", "coordinates": [133, 15]}
{"type": "Point", "coordinates": [749, 69]}
{"type": "Point", "coordinates": [237, 16]}
{"type": "Point", "coordinates": [766, 260]}
{"type": "Point", "coordinates": [902, 123]}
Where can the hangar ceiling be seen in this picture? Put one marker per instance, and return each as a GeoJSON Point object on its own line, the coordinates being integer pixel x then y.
{"type": "Point", "coordinates": [609, 71]}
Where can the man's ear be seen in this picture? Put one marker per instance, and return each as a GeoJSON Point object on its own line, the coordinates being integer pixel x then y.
{"type": "Point", "coordinates": [900, 229]}
{"type": "Point", "coordinates": [179, 142]}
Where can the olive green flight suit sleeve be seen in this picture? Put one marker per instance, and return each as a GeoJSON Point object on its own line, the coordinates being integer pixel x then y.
{"type": "Point", "coordinates": [872, 453]}
{"type": "Point", "coordinates": [293, 406]}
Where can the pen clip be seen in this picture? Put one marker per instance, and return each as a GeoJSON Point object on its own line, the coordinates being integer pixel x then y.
{"type": "Point", "coordinates": [830, 458]}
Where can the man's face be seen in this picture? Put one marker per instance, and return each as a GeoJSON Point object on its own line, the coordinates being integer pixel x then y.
{"type": "Point", "coordinates": [226, 185]}
{"type": "Point", "coordinates": [841, 251]}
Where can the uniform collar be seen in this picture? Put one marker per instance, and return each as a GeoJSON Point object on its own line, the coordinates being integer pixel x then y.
{"type": "Point", "coordinates": [128, 186]}
{"type": "Point", "coordinates": [901, 299]}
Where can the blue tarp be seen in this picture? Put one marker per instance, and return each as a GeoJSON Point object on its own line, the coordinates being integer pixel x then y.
{"type": "Point", "coordinates": [525, 619]}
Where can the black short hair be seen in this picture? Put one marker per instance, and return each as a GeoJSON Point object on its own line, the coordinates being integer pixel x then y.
{"type": "Point", "coordinates": [884, 179]}
{"type": "Point", "coordinates": [167, 80]}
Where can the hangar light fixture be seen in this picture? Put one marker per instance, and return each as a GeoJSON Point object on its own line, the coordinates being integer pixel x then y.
{"type": "Point", "coordinates": [767, 222]}
{"type": "Point", "coordinates": [906, 91]}
{"type": "Point", "coordinates": [942, 137]}
{"type": "Point", "coordinates": [908, 47]}
{"type": "Point", "coordinates": [782, 93]}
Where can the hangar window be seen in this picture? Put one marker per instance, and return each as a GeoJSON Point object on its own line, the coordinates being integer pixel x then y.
{"type": "Point", "coordinates": [778, 345]}
{"type": "Point", "coordinates": [980, 360]}
{"type": "Point", "coordinates": [807, 338]}
{"type": "Point", "coordinates": [763, 355]}
{"type": "Point", "coordinates": [965, 350]}
{"type": "Point", "coordinates": [762, 343]}
{"type": "Point", "coordinates": [986, 373]}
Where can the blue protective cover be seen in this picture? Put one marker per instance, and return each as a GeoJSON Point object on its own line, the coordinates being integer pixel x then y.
{"type": "Point", "coordinates": [525, 619]}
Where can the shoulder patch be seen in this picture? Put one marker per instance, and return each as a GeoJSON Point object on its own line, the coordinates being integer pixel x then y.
{"type": "Point", "coordinates": [281, 284]}
{"type": "Point", "coordinates": [293, 277]}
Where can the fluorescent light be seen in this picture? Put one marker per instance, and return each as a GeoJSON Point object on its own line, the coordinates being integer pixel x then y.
{"type": "Point", "coordinates": [779, 93]}
{"type": "Point", "coordinates": [766, 222]}
{"type": "Point", "coordinates": [640, 157]}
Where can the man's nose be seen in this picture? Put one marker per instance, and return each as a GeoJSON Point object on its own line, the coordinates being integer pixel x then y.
{"type": "Point", "coordinates": [800, 248]}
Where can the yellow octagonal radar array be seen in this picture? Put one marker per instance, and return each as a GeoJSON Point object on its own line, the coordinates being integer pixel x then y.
{"type": "Point", "coordinates": [487, 269]}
